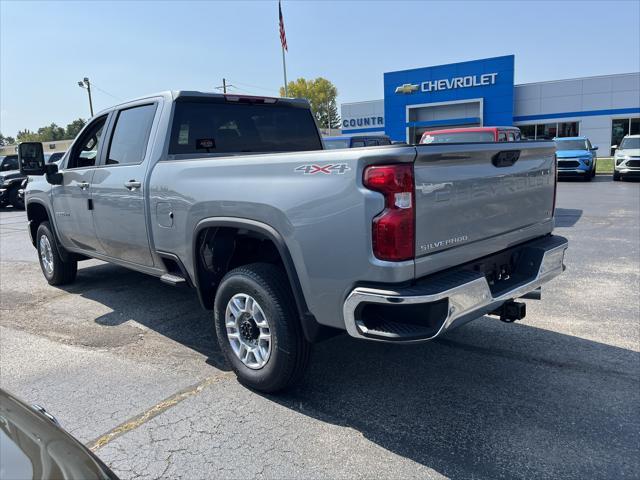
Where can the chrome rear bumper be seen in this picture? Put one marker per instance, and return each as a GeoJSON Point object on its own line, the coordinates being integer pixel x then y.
{"type": "Point", "coordinates": [457, 296]}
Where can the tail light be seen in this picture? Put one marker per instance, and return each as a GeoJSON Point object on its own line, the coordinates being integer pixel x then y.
{"type": "Point", "coordinates": [393, 232]}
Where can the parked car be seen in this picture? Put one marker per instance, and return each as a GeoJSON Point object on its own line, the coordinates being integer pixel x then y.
{"type": "Point", "coordinates": [627, 158]}
{"type": "Point", "coordinates": [53, 156]}
{"type": "Point", "coordinates": [289, 244]}
{"type": "Point", "coordinates": [355, 141]}
{"type": "Point", "coordinates": [34, 446]}
{"type": "Point", "coordinates": [576, 157]}
{"type": "Point", "coordinates": [472, 134]}
{"type": "Point", "coordinates": [10, 181]}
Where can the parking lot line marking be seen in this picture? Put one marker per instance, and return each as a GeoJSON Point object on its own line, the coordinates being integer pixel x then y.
{"type": "Point", "coordinates": [156, 410]}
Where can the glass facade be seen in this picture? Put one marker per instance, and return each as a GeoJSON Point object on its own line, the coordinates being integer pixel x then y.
{"type": "Point", "coordinates": [547, 131]}
{"type": "Point", "coordinates": [621, 127]}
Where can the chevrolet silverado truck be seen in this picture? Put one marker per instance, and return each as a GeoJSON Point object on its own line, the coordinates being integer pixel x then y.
{"type": "Point", "coordinates": [289, 243]}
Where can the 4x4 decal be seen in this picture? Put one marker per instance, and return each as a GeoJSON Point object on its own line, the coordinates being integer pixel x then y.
{"type": "Point", "coordinates": [328, 169]}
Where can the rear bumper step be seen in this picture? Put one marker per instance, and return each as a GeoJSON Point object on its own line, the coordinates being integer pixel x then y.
{"type": "Point", "coordinates": [440, 302]}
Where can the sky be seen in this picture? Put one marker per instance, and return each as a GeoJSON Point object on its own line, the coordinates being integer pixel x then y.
{"type": "Point", "coordinates": [129, 49]}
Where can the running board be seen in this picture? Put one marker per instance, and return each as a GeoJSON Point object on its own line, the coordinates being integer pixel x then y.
{"type": "Point", "coordinates": [173, 280]}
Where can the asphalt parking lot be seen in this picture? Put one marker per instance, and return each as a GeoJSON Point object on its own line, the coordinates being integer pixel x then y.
{"type": "Point", "coordinates": [130, 366]}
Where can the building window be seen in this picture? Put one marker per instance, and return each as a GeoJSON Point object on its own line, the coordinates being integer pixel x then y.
{"type": "Point", "coordinates": [528, 131]}
{"type": "Point", "coordinates": [546, 131]}
{"type": "Point", "coordinates": [568, 129]}
{"type": "Point", "coordinates": [635, 126]}
{"type": "Point", "coordinates": [619, 128]}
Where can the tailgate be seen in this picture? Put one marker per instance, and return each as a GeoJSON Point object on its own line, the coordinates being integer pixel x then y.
{"type": "Point", "coordinates": [476, 199]}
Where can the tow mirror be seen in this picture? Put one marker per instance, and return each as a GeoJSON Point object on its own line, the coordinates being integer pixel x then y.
{"type": "Point", "coordinates": [31, 158]}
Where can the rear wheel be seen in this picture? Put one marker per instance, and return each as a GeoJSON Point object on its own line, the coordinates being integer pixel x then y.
{"type": "Point", "coordinates": [258, 327]}
{"type": "Point", "coordinates": [56, 270]}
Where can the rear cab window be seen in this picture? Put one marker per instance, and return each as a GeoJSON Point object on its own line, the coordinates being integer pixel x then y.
{"type": "Point", "coordinates": [203, 126]}
{"type": "Point", "coordinates": [459, 137]}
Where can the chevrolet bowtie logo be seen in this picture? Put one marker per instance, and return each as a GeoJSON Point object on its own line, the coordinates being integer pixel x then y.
{"type": "Point", "coordinates": [407, 88]}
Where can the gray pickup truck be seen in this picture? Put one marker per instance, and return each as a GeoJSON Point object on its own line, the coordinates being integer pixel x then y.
{"type": "Point", "coordinates": [288, 243]}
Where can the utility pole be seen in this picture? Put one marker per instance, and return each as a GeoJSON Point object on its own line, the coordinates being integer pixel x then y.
{"type": "Point", "coordinates": [224, 86]}
{"type": "Point", "coordinates": [86, 84]}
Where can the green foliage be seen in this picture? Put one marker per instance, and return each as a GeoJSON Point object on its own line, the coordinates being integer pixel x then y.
{"type": "Point", "coordinates": [50, 133]}
{"type": "Point", "coordinates": [74, 128]}
{"type": "Point", "coordinates": [321, 94]}
{"type": "Point", "coordinates": [4, 141]}
{"type": "Point", "coordinates": [27, 136]}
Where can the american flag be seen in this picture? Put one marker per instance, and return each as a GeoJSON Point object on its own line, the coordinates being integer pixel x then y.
{"type": "Point", "coordinates": [283, 36]}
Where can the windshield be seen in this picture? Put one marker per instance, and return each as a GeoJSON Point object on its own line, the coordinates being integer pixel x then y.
{"type": "Point", "coordinates": [213, 127]}
{"type": "Point", "coordinates": [630, 143]}
{"type": "Point", "coordinates": [336, 143]}
{"type": "Point", "coordinates": [458, 137]}
{"type": "Point", "coordinates": [571, 145]}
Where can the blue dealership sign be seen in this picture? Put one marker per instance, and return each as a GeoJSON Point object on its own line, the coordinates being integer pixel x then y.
{"type": "Point", "coordinates": [487, 84]}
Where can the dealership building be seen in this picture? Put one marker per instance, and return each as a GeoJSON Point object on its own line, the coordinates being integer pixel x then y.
{"type": "Point", "coordinates": [483, 93]}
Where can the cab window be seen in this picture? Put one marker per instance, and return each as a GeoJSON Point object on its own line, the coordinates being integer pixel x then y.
{"type": "Point", "coordinates": [85, 151]}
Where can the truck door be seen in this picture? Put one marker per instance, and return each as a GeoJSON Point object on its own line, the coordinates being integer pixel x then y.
{"type": "Point", "coordinates": [72, 199]}
{"type": "Point", "coordinates": [118, 186]}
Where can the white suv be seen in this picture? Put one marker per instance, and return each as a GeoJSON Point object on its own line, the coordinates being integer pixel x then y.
{"type": "Point", "coordinates": [627, 157]}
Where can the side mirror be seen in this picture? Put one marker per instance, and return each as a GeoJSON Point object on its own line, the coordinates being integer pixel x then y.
{"type": "Point", "coordinates": [614, 147]}
{"type": "Point", "coordinates": [31, 158]}
{"type": "Point", "coordinates": [52, 174]}
{"type": "Point", "coordinates": [594, 148]}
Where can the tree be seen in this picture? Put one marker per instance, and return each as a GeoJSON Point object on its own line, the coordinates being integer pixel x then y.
{"type": "Point", "coordinates": [321, 94]}
{"type": "Point", "coordinates": [4, 141]}
{"type": "Point", "coordinates": [27, 136]}
{"type": "Point", "coordinates": [51, 133]}
{"type": "Point", "coordinates": [74, 128]}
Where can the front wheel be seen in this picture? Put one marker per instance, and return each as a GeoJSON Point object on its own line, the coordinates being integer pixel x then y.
{"type": "Point", "coordinates": [56, 270]}
{"type": "Point", "coordinates": [616, 176]}
{"type": "Point", "coordinates": [258, 328]}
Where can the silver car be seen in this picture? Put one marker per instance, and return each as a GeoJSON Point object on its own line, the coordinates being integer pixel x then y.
{"type": "Point", "coordinates": [627, 158]}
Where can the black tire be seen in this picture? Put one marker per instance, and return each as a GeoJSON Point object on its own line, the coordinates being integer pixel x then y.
{"type": "Point", "coordinates": [290, 351]}
{"type": "Point", "coordinates": [588, 177]}
{"type": "Point", "coordinates": [593, 172]}
{"type": "Point", "coordinates": [64, 272]}
{"type": "Point", "coordinates": [616, 176]}
{"type": "Point", "coordinates": [15, 200]}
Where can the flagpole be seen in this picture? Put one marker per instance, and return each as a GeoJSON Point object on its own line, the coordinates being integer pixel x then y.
{"type": "Point", "coordinates": [284, 69]}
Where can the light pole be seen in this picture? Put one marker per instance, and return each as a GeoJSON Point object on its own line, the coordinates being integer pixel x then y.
{"type": "Point", "coordinates": [85, 83]}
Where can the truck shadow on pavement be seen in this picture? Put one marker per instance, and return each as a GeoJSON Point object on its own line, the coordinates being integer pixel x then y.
{"type": "Point", "coordinates": [489, 400]}
{"type": "Point", "coordinates": [567, 217]}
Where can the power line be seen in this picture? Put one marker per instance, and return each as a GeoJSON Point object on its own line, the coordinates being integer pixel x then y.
{"type": "Point", "coordinates": [271, 90]}
{"type": "Point", "coordinates": [104, 91]}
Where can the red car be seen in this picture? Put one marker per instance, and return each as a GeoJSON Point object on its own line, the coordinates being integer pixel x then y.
{"type": "Point", "coordinates": [472, 134]}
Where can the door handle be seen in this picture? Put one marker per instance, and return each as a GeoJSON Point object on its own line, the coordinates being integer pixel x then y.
{"type": "Point", "coordinates": [83, 185]}
{"type": "Point", "coordinates": [132, 184]}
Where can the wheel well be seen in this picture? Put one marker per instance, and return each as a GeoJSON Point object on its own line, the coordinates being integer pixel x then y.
{"type": "Point", "coordinates": [220, 249]}
{"type": "Point", "coordinates": [36, 214]}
